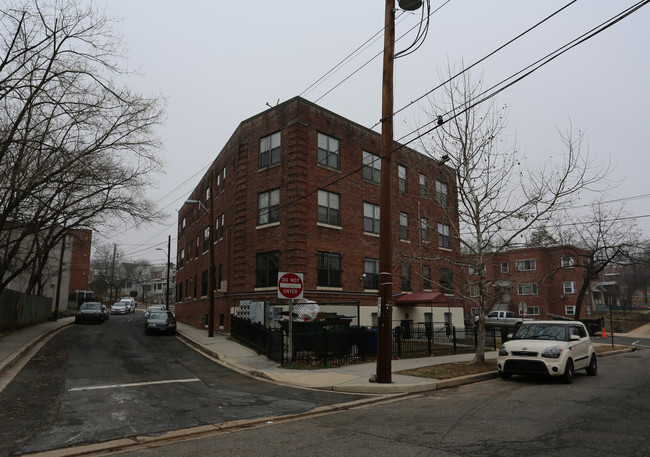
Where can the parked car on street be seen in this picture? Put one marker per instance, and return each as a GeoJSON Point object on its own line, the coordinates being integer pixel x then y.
{"type": "Point", "coordinates": [154, 308]}
{"type": "Point", "coordinates": [129, 303]}
{"type": "Point", "coordinates": [90, 312]}
{"type": "Point", "coordinates": [160, 321]}
{"type": "Point", "coordinates": [503, 319]}
{"type": "Point", "coordinates": [120, 307]}
{"type": "Point", "coordinates": [548, 348]}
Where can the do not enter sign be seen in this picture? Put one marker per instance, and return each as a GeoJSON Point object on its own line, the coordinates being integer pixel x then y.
{"type": "Point", "coordinates": [290, 285]}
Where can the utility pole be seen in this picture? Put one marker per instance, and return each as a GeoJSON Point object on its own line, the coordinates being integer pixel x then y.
{"type": "Point", "coordinates": [384, 332]}
{"type": "Point", "coordinates": [169, 244]}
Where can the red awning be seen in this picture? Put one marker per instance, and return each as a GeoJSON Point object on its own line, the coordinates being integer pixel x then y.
{"type": "Point", "coordinates": [430, 298]}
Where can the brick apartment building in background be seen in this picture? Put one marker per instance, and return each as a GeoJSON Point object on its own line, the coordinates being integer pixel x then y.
{"type": "Point", "coordinates": [537, 281]}
{"type": "Point", "coordinates": [296, 189]}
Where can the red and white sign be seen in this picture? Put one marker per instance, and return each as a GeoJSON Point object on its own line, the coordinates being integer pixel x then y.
{"type": "Point", "coordinates": [290, 285]}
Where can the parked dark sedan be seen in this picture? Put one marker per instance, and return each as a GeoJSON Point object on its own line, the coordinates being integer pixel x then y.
{"type": "Point", "coordinates": [90, 312]}
{"type": "Point", "coordinates": [160, 322]}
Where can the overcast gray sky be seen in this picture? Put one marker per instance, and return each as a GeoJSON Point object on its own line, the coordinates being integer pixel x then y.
{"type": "Point", "coordinates": [218, 63]}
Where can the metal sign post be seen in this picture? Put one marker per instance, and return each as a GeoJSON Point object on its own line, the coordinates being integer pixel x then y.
{"type": "Point", "coordinates": [290, 287]}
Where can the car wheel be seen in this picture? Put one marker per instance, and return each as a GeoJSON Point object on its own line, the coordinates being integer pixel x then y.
{"type": "Point", "coordinates": [568, 372]}
{"type": "Point", "coordinates": [592, 368]}
{"type": "Point", "coordinates": [504, 375]}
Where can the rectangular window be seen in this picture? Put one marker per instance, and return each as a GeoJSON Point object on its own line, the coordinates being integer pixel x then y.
{"type": "Point", "coordinates": [473, 291]}
{"type": "Point", "coordinates": [528, 310]}
{"type": "Point", "coordinates": [588, 310]}
{"type": "Point", "coordinates": [525, 265]}
{"type": "Point", "coordinates": [328, 151]}
{"type": "Point", "coordinates": [270, 150]}
{"type": "Point", "coordinates": [198, 246]}
{"type": "Point", "coordinates": [444, 241]}
{"type": "Point", "coordinates": [223, 180]}
{"type": "Point", "coordinates": [268, 207]}
{"type": "Point", "coordinates": [568, 262]}
{"type": "Point", "coordinates": [207, 197]}
{"type": "Point", "coordinates": [527, 288]}
{"type": "Point", "coordinates": [181, 258]}
{"type": "Point", "coordinates": [371, 270]}
{"type": "Point", "coordinates": [329, 208]}
{"type": "Point", "coordinates": [180, 291]}
{"type": "Point", "coordinates": [328, 269]}
{"type": "Point", "coordinates": [370, 218]}
{"type": "Point", "coordinates": [426, 277]}
{"type": "Point", "coordinates": [401, 179]}
{"type": "Point", "coordinates": [504, 267]}
{"type": "Point", "coordinates": [424, 230]}
{"type": "Point", "coordinates": [406, 277]}
{"type": "Point", "coordinates": [441, 194]}
{"type": "Point", "coordinates": [266, 273]}
{"type": "Point", "coordinates": [403, 226]}
{"type": "Point", "coordinates": [206, 238]}
{"type": "Point", "coordinates": [218, 184]}
{"type": "Point", "coordinates": [570, 310]}
{"type": "Point", "coordinates": [371, 167]}
{"type": "Point", "coordinates": [570, 287]}
{"type": "Point", "coordinates": [423, 186]}
{"type": "Point", "coordinates": [446, 281]}
{"type": "Point", "coordinates": [223, 223]}
{"type": "Point", "coordinates": [204, 283]}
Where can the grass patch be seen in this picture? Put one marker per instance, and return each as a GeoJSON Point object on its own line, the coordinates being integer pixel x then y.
{"type": "Point", "coordinates": [451, 370]}
{"type": "Point", "coordinates": [454, 370]}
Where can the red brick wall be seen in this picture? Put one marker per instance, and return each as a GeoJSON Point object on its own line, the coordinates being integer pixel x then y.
{"type": "Point", "coordinates": [298, 237]}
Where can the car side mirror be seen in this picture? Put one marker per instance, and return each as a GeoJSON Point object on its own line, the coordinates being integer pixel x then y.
{"type": "Point", "coordinates": [575, 338]}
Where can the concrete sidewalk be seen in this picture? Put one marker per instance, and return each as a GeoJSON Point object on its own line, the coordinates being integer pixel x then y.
{"type": "Point", "coordinates": [350, 378]}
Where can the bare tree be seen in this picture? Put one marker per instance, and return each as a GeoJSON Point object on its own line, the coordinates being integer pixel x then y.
{"type": "Point", "coordinates": [608, 236]}
{"type": "Point", "coordinates": [500, 195]}
{"type": "Point", "coordinates": [76, 150]}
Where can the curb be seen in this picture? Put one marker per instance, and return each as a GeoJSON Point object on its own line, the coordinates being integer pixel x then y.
{"type": "Point", "coordinates": [9, 362]}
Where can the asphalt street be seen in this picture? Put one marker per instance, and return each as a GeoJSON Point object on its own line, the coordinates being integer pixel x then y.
{"type": "Point", "coordinates": [95, 383]}
{"type": "Point", "coordinates": [606, 415]}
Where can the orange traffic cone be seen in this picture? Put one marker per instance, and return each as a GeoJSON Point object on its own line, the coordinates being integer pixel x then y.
{"type": "Point", "coordinates": [604, 333]}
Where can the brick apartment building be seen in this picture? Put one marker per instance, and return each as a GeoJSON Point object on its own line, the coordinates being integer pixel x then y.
{"type": "Point", "coordinates": [538, 281]}
{"type": "Point", "coordinates": [296, 189]}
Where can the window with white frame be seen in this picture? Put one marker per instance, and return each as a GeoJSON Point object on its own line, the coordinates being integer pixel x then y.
{"type": "Point", "coordinates": [268, 207]}
{"type": "Point", "coordinates": [371, 167]}
{"type": "Point", "coordinates": [446, 281]}
{"type": "Point", "coordinates": [206, 238]}
{"type": "Point", "coordinates": [223, 179]}
{"type": "Point", "coordinates": [371, 218]}
{"type": "Point", "coordinates": [423, 185]}
{"type": "Point", "coordinates": [426, 277]}
{"type": "Point", "coordinates": [329, 208]}
{"type": "Point", "coordinates": [406, 277]}
{"type": "Point", "coordinates": [207, 197]}
{"type": "Point", "coordinates": [328, 151]}
{"type": "Point", "coordinates": [588, 310]}
{"type": "Point", "coordinates": [473, 291]}
{"type": "Point", "coordinates": [401, 179]}
{"type": "Point", "coordinates": [504, 267]}
{"type": "Point", "coordinates": [570, 310]}
{"type": "Point", "coordinates": [270, 150]}
{"type": "Point", "coordinates": [527, 288]}
{"type": "Point", "coordinates": [570, 287]}
{"type": "Point", "coordinates": [442, 196]}
{"type": "Point", "coordinates": [525, 265]}
{"type": "Point", "coordinates": [403, 226]}
{"type": "Point", "coordinates": [568, 262]}
{"type": "Point", "coordinates": [371, 272]}
{"type": "Point", "coordinates": [525, 310]}
{"type": "Point", "coordinates": [444, 241]}
{"type": "Point", "coordinates": [424, 230]}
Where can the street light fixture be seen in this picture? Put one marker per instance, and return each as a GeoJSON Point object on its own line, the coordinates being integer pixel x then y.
{"type": "Point", "coordinates": [211, 267]}
{"type": "Point", "coordinates": [169, 242]}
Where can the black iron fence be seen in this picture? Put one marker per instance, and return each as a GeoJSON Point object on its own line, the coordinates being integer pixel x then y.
{"type": "Point", "coordinates": [320, 344]}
